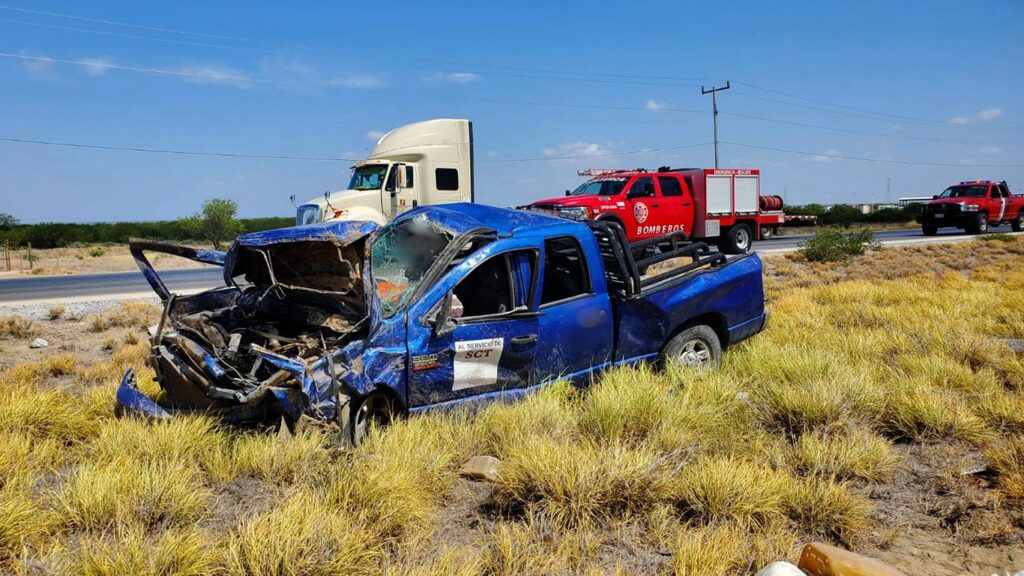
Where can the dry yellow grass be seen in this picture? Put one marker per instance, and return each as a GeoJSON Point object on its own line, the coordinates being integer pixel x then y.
{"type": "Point", "coordinates": [127, 315]}
{"type": "Point", "coordinates": [18, 328]}
{"type": "Point", "coordinates": [707, 472]}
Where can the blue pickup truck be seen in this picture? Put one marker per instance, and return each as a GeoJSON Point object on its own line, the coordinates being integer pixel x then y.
{"type": "Point", "coordinates": [349, 323]}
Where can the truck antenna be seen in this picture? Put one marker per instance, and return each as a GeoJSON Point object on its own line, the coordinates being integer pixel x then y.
{"type": "Point", "coordinates": [714, 110]}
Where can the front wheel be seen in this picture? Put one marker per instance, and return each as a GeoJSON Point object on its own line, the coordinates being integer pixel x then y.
{"type": "Point", "coordinates": [979, 226]}
{"type": "Point", "coordinates": [930, 230]}
{"type": "Point", "coordinates": [695, 347]}
{"type": "Point", "coordinates": [377, 410]}
{"type": "Point", "coordinates": [736, 240]}
{"type": "Point", "coordinates": [1018, 223]}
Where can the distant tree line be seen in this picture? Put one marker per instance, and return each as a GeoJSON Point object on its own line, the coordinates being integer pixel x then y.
{"type": "Point", "coordinates": [215, 224]}
{"type": "Point", "coordinates": [843, 215]}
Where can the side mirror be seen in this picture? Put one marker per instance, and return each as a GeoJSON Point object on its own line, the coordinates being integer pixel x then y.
{"type": "Point", "coordinates": [400, 168]}
{"type": "Point", "coordinates": [935, 196]}
{"type": "Point", "coordinates": [292, 199]}
{"type": "Point", "coordinates": [567, 193]}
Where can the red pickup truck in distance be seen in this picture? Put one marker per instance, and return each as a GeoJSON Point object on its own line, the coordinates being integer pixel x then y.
{"type": "Point", "coordinates": [720, 206]}
{"type": "Point", "coordinates": [973, 207]}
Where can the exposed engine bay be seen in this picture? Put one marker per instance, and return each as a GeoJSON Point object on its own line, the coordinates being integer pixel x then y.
{"type": "Point", "coordinates": [289, 307]}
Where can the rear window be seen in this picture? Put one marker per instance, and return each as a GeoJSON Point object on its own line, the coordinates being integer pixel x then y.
{"type": "Point", "coordinates": [670, 186]}
{"type": "Point", "coordinates": [565, 275]}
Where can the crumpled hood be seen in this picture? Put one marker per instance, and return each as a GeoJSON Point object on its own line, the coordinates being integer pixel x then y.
{"type": "Point", "coordinates": [326, 259]}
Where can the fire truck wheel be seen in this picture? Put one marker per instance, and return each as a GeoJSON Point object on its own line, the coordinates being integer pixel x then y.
{"type": "Point", "coordinates": [930, 230]}
{"type": "Point", "coordinates": [736, 240]}
{"type": "Point", "coordinates": [767, 232]}
{"type": "Point", "coordinates": [1018, 223]}
{"type": "Point", "coordinates": [695, 347]}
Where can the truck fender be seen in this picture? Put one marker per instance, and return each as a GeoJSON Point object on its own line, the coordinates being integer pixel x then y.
{"type": "Point", "coordinates": [714, 320]}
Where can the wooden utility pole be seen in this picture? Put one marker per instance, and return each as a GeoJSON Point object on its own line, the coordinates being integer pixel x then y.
{"type": "Point", "coordinates": [714, 111]}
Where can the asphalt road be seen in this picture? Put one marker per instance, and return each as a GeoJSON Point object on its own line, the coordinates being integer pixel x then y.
{"type": "Point", "coordinates": [132, 284]}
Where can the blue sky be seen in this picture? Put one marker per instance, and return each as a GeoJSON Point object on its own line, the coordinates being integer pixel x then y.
{"type": "Point", "coordinates": [933, 82]}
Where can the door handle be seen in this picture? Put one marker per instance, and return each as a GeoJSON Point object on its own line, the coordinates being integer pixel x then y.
{"type": "Point", "coordinates": [686, 203]}
{"type": "Point", "coordinates": [526, 339]}
{"type": "Point", "coordinates": [654, 205]}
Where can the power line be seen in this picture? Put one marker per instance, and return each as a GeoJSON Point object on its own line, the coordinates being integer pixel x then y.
{"type": "Point", "coordinates": [605, 155]}
{"type": "Point", "coordinates": [864, 132]}
{"type": "Point", "coordinates": [162, 71]}
{"type": "Point", "coordinates": [865, 159]}
{"type": "Point", "coordinates": [124, 24]}
{"type": "Point", "coordinates": [804, 98]}
{"type": "Point", "coordinates": [176, 152]}
{"type": "Point", "coordinates": [136, 36]}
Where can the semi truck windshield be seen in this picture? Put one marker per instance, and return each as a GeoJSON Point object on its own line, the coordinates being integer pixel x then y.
{"type": "Point", "coordinates": [369, 177]}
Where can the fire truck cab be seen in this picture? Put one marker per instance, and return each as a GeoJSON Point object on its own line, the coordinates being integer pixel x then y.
{"type": "Point", "coordinates": [723, 206]}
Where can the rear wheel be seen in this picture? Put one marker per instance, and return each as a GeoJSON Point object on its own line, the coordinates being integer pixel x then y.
{"type": "Point", "coordinates": [767, 232]}
{"type": "Point", "coordinates": [736, 240]}
{"type": "Point", "coordinates": [930, 230]}
{"type": "Point", "coordinates": [377, 410]}
{"type": "Point", "coordinates": [1018, 223]}
{"type": "Point", "coordinates": [695, 347]}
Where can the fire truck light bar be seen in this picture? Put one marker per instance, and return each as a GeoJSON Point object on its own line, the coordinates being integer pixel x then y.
{"type": "Point", "coordinates": [603, 171]}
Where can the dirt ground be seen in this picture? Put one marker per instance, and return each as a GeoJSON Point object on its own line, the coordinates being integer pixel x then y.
{"type": "Point", "coordinates": [92, 259]}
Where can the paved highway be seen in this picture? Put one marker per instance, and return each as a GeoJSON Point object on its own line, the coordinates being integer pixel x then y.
{"type": "Point", "coordinates": [131, 284]}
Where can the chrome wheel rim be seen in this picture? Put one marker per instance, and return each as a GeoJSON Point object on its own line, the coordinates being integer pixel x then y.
{"type": "Point", "coordinates": [742, 238]}
{"type": "Point", "coordinates": [695, 354]}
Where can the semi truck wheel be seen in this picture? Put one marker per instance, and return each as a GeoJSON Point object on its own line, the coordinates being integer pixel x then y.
{"type": "Point", "coordinates": [736, 240]}
{"type": "Point", "coordinates": [767, 232]}
{"type": "Point", "coordinates": [695, 347]}
{"type": "Point", "coordinates": [930, 230]}
{"type": "Point", "coordinates": [1018, 223]}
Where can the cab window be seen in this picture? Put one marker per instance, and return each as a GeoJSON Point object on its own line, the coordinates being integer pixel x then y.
{"type": "Point", "coordinates": [670, 186]}
{"type": "Point", "coordinates": [499, 285]}
{"type": "Point", "coordinates": [642, 188]}
{"type": "Point", "coordinates": [565, 274]}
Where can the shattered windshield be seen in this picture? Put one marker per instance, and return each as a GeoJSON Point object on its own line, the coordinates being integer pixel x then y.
{"type": "Point", "coordinates": [370, 177]}
{"type": "Point", "coordinates": [400, 256]}
{"type": "Point", "coordinates": [604, 187]}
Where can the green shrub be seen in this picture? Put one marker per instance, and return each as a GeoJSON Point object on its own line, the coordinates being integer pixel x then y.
{"type": "Point", "coordinates": [833, 245]}
{"type": "Point", "coordinates": [97, 252]}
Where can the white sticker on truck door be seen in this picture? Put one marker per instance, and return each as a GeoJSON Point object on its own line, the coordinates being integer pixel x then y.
{"type": "Point", "coordinates": [476, 362]}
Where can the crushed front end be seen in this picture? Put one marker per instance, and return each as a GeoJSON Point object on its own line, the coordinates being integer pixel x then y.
{"type": "Point", "coordinates": [271, 342]}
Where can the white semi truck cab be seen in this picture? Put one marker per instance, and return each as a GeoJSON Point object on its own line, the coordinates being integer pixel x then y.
{"type": "Point", "coordinates": [427, 162]}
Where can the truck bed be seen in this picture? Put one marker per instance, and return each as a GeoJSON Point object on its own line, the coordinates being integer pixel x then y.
{"type": "Point", "coordinates": [707, 288]}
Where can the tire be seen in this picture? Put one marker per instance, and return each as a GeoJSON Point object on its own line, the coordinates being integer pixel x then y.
{"type": "Point", "coordinates": [1017, 225]}
{"type": "Point", "coordinates": [377, 409]}
{"type": "Point", "coordinates": [696, 347]}
{"type": "Point", "coordinates": [979, 226]}
{"type": "Point", "coordinates": [930, 230]}
{"type": "Point", "coordinates": [736, 240]}
{"type": "Point", "coordinates": [767, 232]}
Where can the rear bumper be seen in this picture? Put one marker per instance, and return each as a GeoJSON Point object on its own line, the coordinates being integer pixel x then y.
{"type": "Point", "coordinates": [745, 330]}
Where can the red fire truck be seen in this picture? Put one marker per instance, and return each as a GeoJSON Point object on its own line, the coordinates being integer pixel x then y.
{"type": "Point", "coordinates": [722, 206]}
